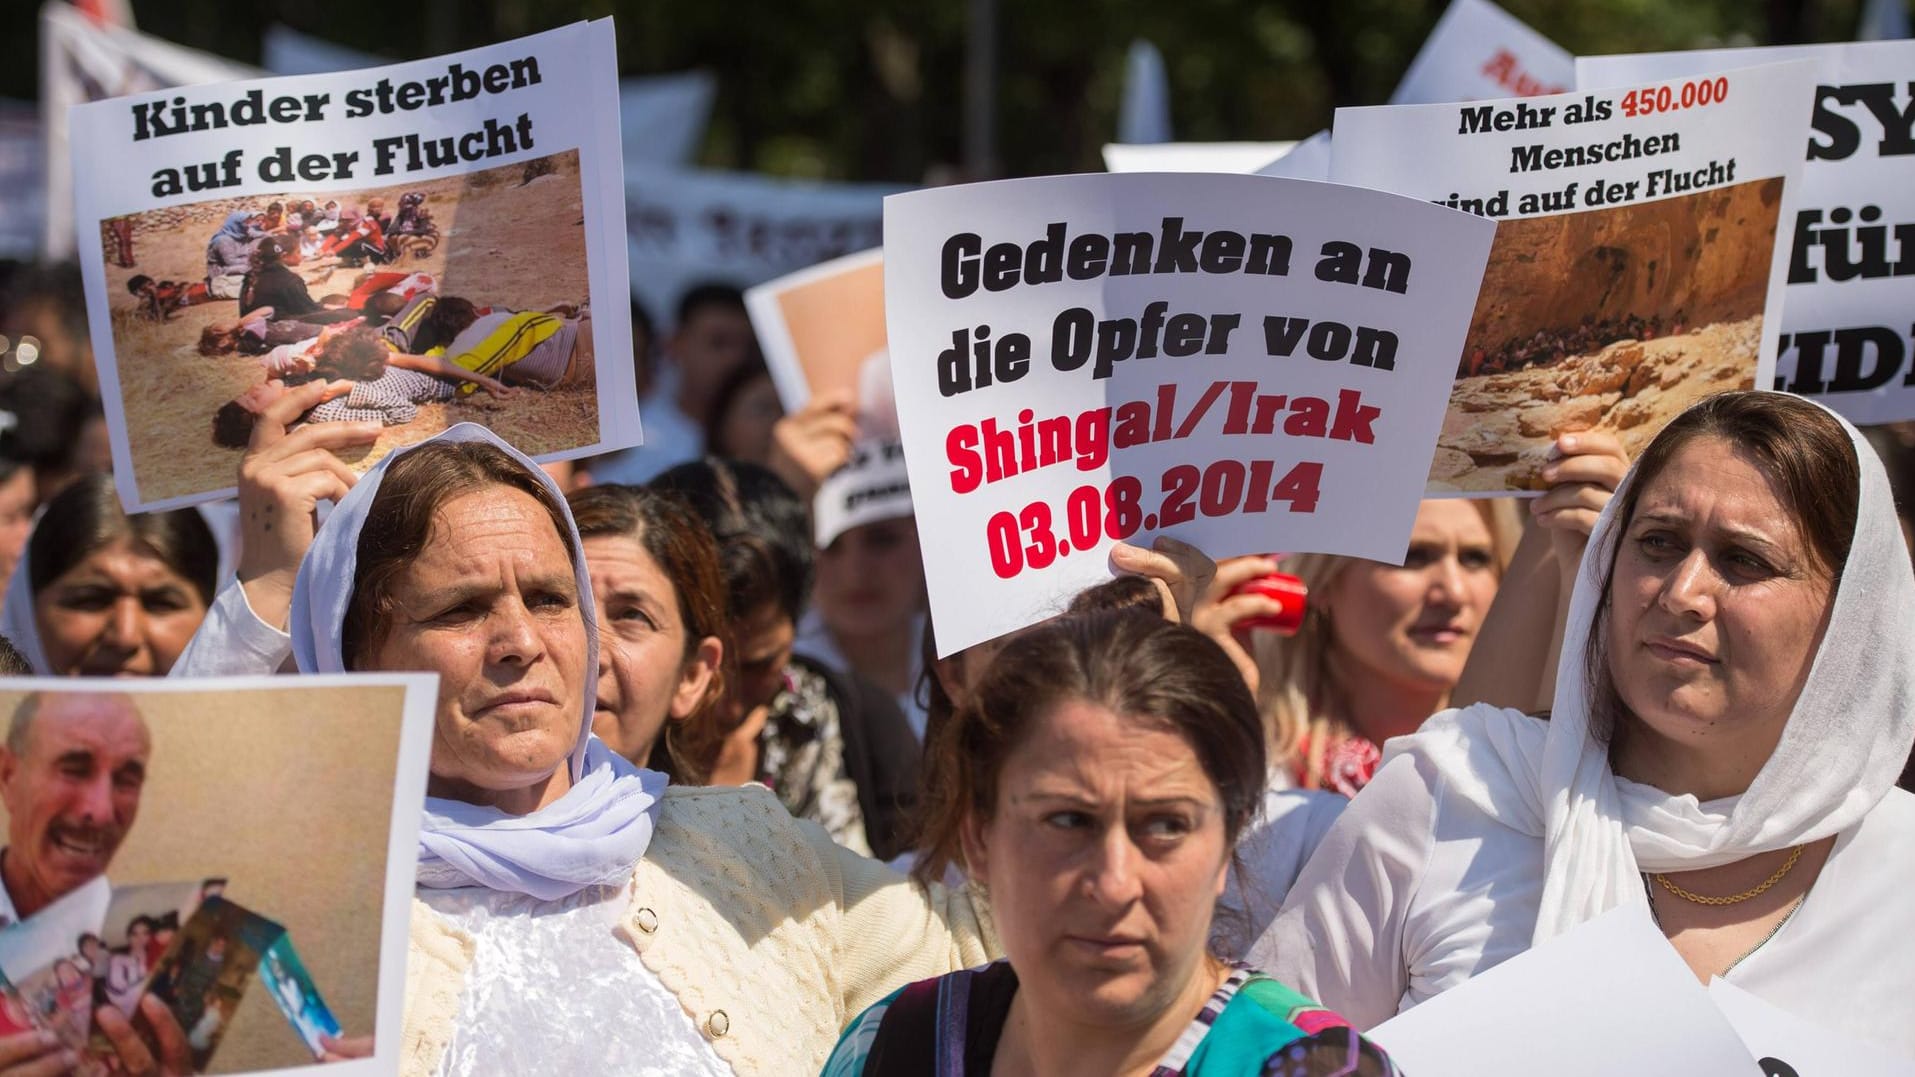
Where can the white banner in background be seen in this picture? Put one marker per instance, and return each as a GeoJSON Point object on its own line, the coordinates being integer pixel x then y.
{"type": "Point", "coordinates": [1639, 262]}
{"type": "Point", "coordinates": [1847, 310]}
{"type": "Point", "coordinates": [81, 61]}
{"type": "Point", "coordinates": [689, 226]}
{"type": "Point", "coordinates": [1241, 362]}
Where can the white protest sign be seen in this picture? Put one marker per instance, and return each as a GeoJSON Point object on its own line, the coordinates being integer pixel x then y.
{"type": "Point", "coordinates": [1788, 1046]}
{"type": "Point", "coordinates": [662, 117]}
{"type": "Point", "coordinates": [688, 227]}
{"type": "Point", "coordinates": [1477, 52]}
{"type": "Point", "coordinates": [1639, 254]}
{"type": "Point", "coordinates": [295, 904]}
{"type": "Point", "coordinates": [485, 176]}
{"type": "Point", "coordinates": [1848, 330]}
{"type": "Point", "coordinates": [1307, 160]}
{"type": "Point", "coordinates": [82, 60]}
{"type": "Point", "coordinates": [822, 327]}
{"type": "Point", "coordinates": [1241, 158]}
{"type": "Point", "coordinates": [1243, 363]}
{"type": "Point", "coordinates": [1609, 997]}
{"type": "Point", "coordinates": [873, 485]}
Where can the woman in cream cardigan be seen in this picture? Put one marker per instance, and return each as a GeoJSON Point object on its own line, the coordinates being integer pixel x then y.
{"type": "Point", "coordinates": [561, 889]}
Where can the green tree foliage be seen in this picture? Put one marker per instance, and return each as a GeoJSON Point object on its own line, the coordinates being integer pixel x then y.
{"type": "Point", "coordinates": [873, 89]}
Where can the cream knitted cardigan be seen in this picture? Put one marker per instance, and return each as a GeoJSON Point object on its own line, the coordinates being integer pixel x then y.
{"type": "Point", "coordinates": [772, 936]}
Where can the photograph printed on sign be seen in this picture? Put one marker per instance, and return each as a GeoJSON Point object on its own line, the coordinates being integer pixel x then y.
{"type": "Point", "coordinates": [1848, 334]}
{"type": "Point", "coordinates": [426, 239]}
{"type": "Point", "coordinates": [1639, 247]}
{"type": "Point", "coordinates": [204, 911]}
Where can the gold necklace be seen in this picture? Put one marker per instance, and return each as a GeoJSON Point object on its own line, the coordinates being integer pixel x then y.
{"type": "Point", "coordinates": [1733, 899]}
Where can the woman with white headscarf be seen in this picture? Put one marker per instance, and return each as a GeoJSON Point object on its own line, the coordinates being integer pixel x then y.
{"type": "Point", "coordinates": [574, 913]}
{"type": "Point", "coordinates": [1734, 699]}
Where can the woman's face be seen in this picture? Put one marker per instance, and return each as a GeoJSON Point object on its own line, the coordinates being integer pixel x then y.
{"type": "Point", "coordinates": [119, 612]}
{"type": "Point", "coordinates": [1104, 857]}
{"type": "Point", "coordinates": [1413, 625]}
{"type": "Point", "coordinates": [645, 675]}
{"type": "Point", "coordinates": [492, 607]}
{"type": "Point", "coordinates": [744, 432]}
{"type": "Point", "coordinates": [871, 579]}
{"type": "Point", "coordinates": [1717, 607]}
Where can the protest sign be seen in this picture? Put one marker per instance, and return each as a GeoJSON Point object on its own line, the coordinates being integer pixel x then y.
{"type": "Point", "coordinates": [1306, 160]}
{"type": "Point", "coordinates": [1785, 1045]}
{"type": "Point", "coordinates": [1635, 259]}
{"type": "Point", "coordinates": [1558, 1010]}
{"type": "Point", "coordinates": [662, 117]}
{"type": "Point", "coordinates": [82, 60]}
{"type": "Point", "coordinates": [1848, 331]}
{"type": "Point", "coordinates": [465, 245]}
{"type": "Point", "coordinates": [1478, 52]}
{"type": "Point", "coordinates": [689, 227]}
{"type": "Point", "coordinates": [1241, 158]}
{"type": "Point", "coordinates": [1240, 362]}
{"type": "Point", "coordinates": [873, 485]}
{"type": "Point", "coordinates": [262, 919]}
{"type": "Point", "coordinates": [822, 331]}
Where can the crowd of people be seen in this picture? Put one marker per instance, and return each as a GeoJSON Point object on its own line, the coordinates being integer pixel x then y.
{"type": "Point", "coordinates": [704, 799]}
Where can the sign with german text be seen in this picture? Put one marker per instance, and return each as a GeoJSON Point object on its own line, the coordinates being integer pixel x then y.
{"type": "Point", "coordinates": [1241, 362]}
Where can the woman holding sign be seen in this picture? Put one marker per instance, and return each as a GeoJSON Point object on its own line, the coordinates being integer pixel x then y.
{"type": "Point", "coordinates": [716, 933]}
{"type": "Point", "coordinates": [1732, 706]}
{"type": "Point", "coordinates": [1097, 785]}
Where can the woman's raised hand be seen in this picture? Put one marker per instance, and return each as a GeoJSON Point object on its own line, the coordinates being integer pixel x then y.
{"type": "Point", "coordinates": [1585, 473]}
{"type": "Point", "coordinates": [282, 478]}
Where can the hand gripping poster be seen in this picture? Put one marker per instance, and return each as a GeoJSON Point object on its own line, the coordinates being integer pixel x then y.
{"type": "Point", "coordinates": [430, 239]}
{"type": "Point", "coordinates": [1239, 362]}
{"type": "Point", "coordinates": [1848, 321]}
{"type": "Point", "coordinates": [1640, 252]}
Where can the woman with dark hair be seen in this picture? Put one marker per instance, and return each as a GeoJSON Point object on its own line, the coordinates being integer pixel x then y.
{"type": "Point", "coordinates": [692, 930]}
{"type": "Point", "coordinates": [743, 411]}
{"type": "Point", "coordinates": [1733, 703]}
{"type": "Point", "coordinates": [1097, 784]}
{"type": "Point", "coordinates": [99, 593]}
{"type": "Point", "coordinates": [661, 607]}
{"type": "Point", "coordinates": [272, 283]}
{"type": "Point", "coordinates": [833, 746]}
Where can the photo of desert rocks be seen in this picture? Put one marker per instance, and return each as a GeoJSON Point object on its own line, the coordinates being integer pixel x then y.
{"type": "Point", "coordinates": [510, 237]}
{"type": "Point", "coordinates": [1614, 320]}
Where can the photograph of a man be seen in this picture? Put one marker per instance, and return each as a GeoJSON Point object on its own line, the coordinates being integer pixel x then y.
{"type": "Point", "coordinates": [71, 772]}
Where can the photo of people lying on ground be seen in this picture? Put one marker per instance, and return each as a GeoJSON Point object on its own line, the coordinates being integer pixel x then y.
{"type": "Point", "coordinates": [463, 299]}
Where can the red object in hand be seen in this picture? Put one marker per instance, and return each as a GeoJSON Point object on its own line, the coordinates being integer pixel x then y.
{"type": "Point", "coordinates": [1278, 587]}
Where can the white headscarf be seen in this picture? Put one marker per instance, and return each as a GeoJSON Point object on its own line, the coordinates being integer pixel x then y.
{"type": "Point", "coordinates": [1845, 744]}
{"type": "Point", "coordinates": [17, 621]}
{"type": "Point", "coordinates": [590, 836]}
{"type": "Point", "coordinates": [16, 615]}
